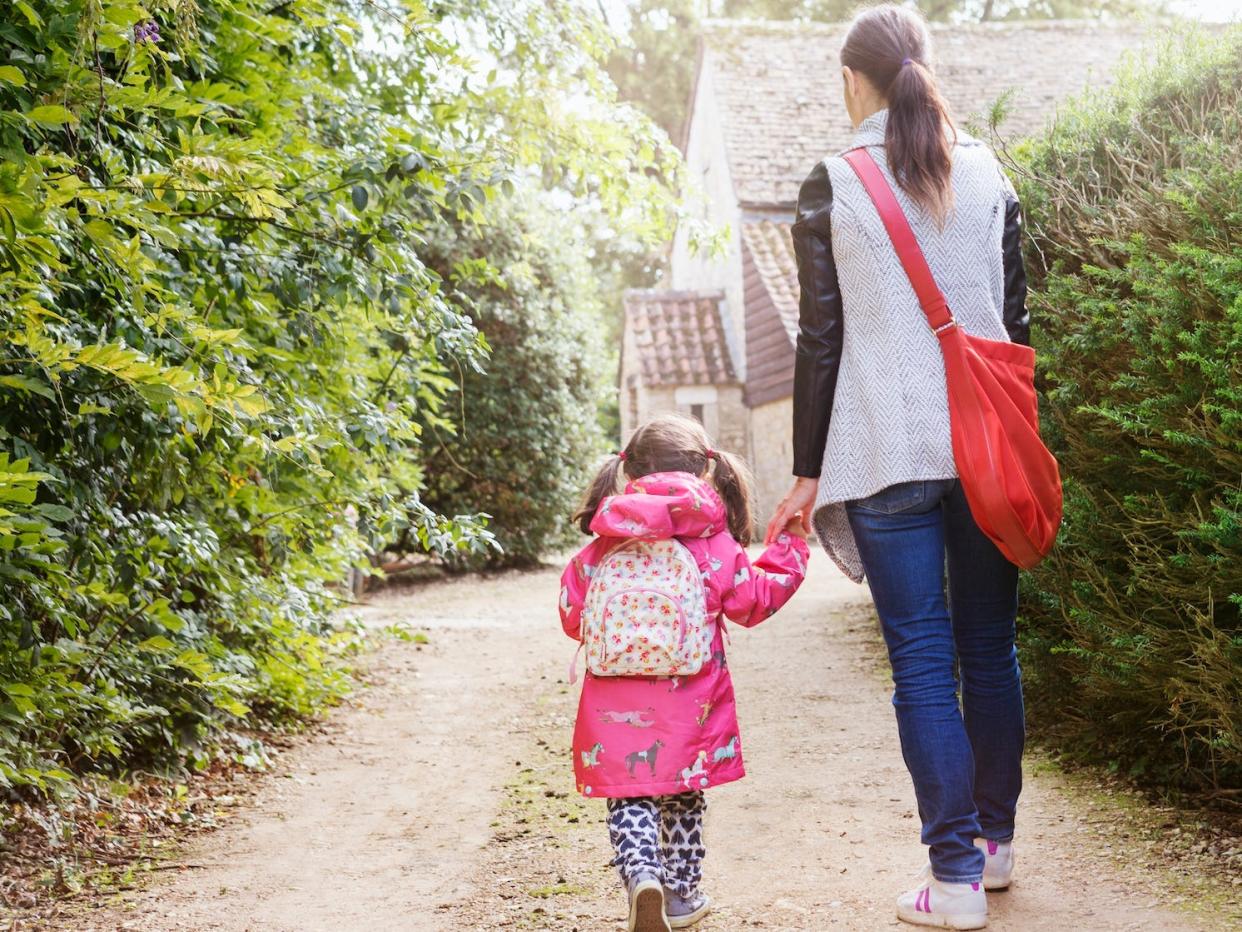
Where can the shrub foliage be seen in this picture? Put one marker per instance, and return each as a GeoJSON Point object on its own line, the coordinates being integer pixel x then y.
{"type": "Point", "coordinates": [1132, 640]}
{"type": "Point", "coordinates": [222, 345]}
{"type": "Point", "coordinates": [527, 429]}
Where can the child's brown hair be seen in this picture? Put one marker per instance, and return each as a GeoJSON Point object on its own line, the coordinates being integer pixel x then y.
{"type": "Point", "coordinates": [674, 443]}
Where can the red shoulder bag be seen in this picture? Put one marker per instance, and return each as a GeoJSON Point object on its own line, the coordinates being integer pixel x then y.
{"type": "Point", "coordinates": [1010, 478]}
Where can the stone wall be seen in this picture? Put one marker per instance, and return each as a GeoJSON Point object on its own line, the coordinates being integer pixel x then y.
{"type": "Point", "coordinates": [731, 429]}
{"type": "Point", "coordinates": [771, 455]}
{"type": "Point", "coordinates": [631, 392]}
{"type": "Point", "coordinates": [723, 411]}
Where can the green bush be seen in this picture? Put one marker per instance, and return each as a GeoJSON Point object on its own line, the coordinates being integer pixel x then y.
{"type": "Point", "coordinates": [527, 431]}
{"type": "Point", "coordinates": [221, 343]}
{"type": "Point", "coordinates": [1131, 635]}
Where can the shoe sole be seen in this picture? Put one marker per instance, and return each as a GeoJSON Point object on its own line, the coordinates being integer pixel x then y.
{"type": "Point", "coordinates": [647, 908]}
{"type": "Point", "coordinates": [940, 921]}
{"type": "Point", "coordinates": [686, 921]}
{"type": "Point", "coordinates": [996, 886]}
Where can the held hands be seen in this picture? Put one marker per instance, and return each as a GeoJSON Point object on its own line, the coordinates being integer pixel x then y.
{"type": "Point", "coordinates": [793, 514]}
{"type": "Point", "coordinates": [796, 526]}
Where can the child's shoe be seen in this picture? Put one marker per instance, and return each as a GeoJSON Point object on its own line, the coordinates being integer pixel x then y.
{"type": "Point", "coordinates": [647, 905]}
{"type": "Point", "coordinates": [998, 863]}
{"type": "Point", "coordinates": [945, 905]}
{"type": "Point", "coordinates": [683, 912]}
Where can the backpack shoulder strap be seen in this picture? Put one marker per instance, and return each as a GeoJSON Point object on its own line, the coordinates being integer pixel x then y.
{"type": "Point", "coordinates": [931, 298]}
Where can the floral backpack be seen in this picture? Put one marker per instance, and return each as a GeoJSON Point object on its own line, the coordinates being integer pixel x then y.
{"type": "Point", "coordinates": [645, 612]}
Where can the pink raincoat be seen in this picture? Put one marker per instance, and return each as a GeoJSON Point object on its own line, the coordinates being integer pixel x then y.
{"type": "Point", "coordinates": [652, 736]}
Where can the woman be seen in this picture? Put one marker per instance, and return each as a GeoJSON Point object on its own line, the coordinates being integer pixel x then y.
{"type": "Point", "coordinates": [873, 454]}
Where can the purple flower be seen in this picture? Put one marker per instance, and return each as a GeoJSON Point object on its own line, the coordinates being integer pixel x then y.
{"type": "Point", "coordinates": [147, 32]}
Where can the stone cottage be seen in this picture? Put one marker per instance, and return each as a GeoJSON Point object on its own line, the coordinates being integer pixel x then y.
{"type": "Point", "coordinates": [766, 106]}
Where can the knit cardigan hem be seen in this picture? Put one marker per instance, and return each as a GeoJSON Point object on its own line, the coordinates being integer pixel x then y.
{"type": "Point", "coordinates": [832, 524]}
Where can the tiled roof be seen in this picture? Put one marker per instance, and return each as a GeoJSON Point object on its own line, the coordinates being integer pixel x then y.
{"type": "Point", "coordinates": [779, 91]}
{"type": "Point", "coordinates": [770, 277]}
{"type": "Point", "coordinates": [680, 337]}
{"type": "Point", "coordinates": [771, 249]}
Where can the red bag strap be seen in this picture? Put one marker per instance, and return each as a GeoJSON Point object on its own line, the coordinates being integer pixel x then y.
{"type": "Point", "coordinates": [907, 247]}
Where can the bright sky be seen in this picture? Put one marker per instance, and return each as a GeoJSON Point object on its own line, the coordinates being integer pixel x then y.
{"type": "Point", "coordinates": [1210, 10]}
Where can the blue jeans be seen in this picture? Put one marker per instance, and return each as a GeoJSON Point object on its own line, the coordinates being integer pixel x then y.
{"type": "Point", "coordinates": [966, 761]}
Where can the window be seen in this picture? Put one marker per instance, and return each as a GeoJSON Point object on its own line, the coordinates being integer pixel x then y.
{"type": "Point", "coordinates": [696, 412]}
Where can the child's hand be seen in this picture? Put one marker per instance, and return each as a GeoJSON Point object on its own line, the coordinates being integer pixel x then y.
{"type": "Point", "coordinates": [796, 526]}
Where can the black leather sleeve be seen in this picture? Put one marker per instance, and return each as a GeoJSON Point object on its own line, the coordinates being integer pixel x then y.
{"type": "Point", "coordinates": [820, 321]}
{"type": "Point", "coordinates": [1017, 321]}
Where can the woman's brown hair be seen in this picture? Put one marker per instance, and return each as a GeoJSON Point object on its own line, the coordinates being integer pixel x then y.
{"type": "Point", "coordinates": [891, 47]}
{"type": "Point", "coordinates": [673, 443]}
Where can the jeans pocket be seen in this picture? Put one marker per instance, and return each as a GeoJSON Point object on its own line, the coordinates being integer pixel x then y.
{"type": "Point", "coordinates": [904, 496]}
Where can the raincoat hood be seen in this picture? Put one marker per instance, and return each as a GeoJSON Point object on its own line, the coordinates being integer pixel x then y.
{"type": "Point", "coordinates": [660, 506]}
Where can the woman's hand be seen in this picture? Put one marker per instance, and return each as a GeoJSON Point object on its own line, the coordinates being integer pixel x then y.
{"type": "Point", "coordinates": [796, 506]}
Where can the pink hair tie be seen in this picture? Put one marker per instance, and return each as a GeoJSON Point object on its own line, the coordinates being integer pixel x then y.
{"type": "Point", "coordinates": [710, 454]}
{"type": "Point", "coordinates": [907, 61]}
{"type": "Point", "coordinates": [621, 455]}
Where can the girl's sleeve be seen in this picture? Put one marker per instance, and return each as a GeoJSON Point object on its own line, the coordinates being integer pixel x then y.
{"type": "Point", "coordinates": [574, 583]}
{"type": "Point", "coordinates": [757, 590]}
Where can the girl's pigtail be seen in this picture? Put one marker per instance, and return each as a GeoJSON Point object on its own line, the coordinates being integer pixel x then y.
{"type": "Point", "coordinates": [605, 483]}
{"type": "Point", "coordinates": [732, 480]}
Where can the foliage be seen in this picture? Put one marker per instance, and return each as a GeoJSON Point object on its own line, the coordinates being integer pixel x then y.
{"type": "Point", "coordinates": [528, 432]}
{"type": "Point", "coordinates": [1132, 635]}
{"type": "Point", "coordinates": [221, 343]}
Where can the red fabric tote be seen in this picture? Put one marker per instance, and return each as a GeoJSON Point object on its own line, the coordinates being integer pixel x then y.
{"type": "Point", "coordinates": [1010, 478]}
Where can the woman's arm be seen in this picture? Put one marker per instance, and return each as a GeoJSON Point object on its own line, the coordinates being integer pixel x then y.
{"type": "Point", "coordinates": [820, 337]}
{"type": "Point", "coordinates": [820, 322]}
{"type": "Point", "coordinates": [1017, 321]}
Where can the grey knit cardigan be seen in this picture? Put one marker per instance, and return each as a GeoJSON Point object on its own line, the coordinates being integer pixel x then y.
{"type": "Point", "coordinates": [889, 411]}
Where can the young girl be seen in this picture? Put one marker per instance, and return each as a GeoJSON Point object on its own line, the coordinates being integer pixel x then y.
{"type": "Point", "coordinates": [651, 744]}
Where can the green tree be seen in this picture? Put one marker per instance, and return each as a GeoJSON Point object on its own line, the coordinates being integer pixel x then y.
{"type": "Point", "coordinates": [529, 431]}
{"type": "Point", "coordinates": [223, 344]}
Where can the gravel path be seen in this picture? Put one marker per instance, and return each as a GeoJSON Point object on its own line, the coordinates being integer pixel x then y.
{"type": "Point", "coordinates": [442, 797]}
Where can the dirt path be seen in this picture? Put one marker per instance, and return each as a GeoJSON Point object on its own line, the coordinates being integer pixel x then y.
{"type": "Point", "coordinates": [442, 798]}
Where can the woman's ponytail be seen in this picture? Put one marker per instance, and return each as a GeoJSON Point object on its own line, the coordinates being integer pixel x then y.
{"type": "Point", "coordinates": [732, 481]}
{"type": "Point", "coordinates": [605, 483]}
{"type": "Point", "coordinates": [890, 45]}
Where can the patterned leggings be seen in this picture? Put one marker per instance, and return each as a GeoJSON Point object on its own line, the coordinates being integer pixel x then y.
{"type": "Point", "coordinates": [661, 836]}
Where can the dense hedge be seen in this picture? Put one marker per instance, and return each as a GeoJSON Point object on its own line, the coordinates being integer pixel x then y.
{"type": "Point", "coordinates": [528, 429]}
{"type": "Point", "coordinates": [1131, 635]}
{"type": "Point", "coordinates": [221, 343]}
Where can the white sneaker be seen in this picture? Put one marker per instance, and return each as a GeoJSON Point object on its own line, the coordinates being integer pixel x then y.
{"type": "Point", "coordinates": [945, 905]}
{"type": "Point", "coordinates": [998, 863]}
{"type": "Point", "coordinates": [647, 905]}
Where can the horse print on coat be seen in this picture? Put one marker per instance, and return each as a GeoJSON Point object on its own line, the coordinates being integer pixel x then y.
{"type": "Point", "coordinates": [634, 718]}
{"type": "Point", "coordinates": [647, 756]}
{"type": "Point", "coordinates": [695, 773]}
{"type": "Point", "coordinates": [591, 758]}
{"type": "Point", "coordinates": [705, 709]}
{"type": "Point", "coordinates": [726, 752]}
